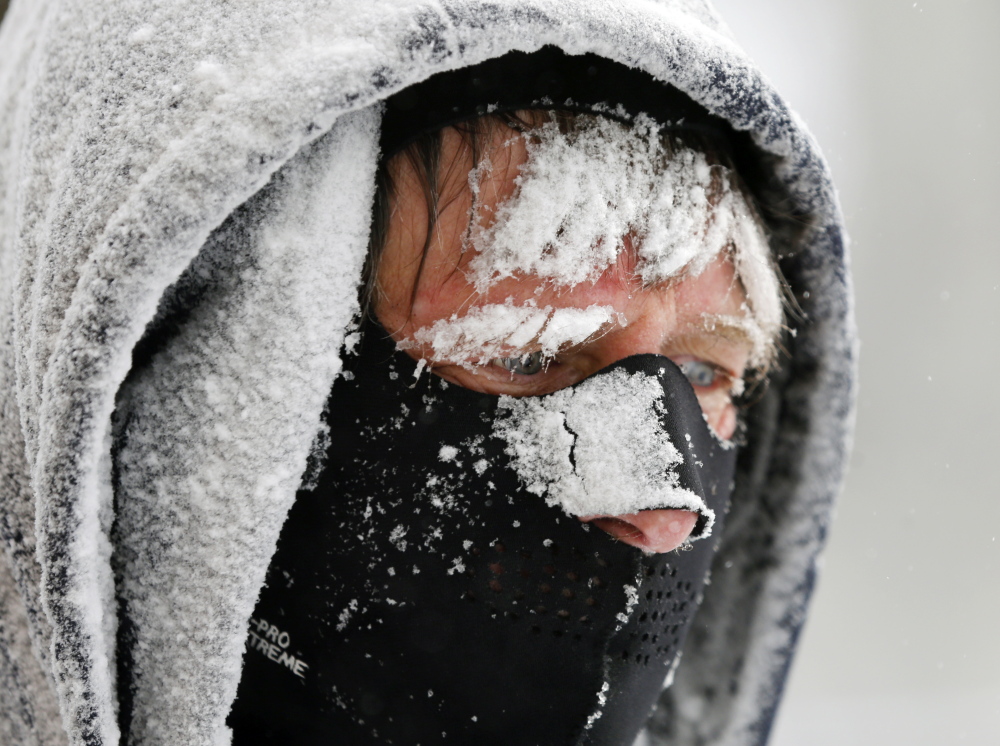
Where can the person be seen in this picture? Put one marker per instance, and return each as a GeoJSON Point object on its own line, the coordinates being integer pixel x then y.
{"type": "Point", "coordinates": [531, 264]}
{"type": "Point", "coordinates": [443, 346]}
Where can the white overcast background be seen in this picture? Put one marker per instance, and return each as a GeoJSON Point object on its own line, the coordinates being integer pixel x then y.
{"type": "Point", "coordinates": [903, 642]}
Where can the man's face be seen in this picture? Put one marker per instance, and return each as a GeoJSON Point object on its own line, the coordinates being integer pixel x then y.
{"type": "Point", "coordinates": [691, 319]}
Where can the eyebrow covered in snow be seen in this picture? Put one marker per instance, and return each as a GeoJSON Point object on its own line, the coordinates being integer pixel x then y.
{"type": "Point", "coordinates": [743, 330]}
{"type": "Point", "coordinates": [495, 330]}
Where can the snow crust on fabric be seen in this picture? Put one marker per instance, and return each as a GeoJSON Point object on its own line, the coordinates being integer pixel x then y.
{"type": "Point", "coordinates": [23, 681]}
{"type": "Point", "coordinates": [276, 288]}
{"type": "Point", "coordinates": [179, 113]}
{"type": "Point", "coordinates": [29, 712]}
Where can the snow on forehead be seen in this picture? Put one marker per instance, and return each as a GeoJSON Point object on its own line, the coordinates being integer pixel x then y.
{"type": "Point", "coordinates": [582, 193]}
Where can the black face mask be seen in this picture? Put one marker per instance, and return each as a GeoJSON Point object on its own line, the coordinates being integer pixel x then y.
{"type": "Point", "coordinates": [425, 597]}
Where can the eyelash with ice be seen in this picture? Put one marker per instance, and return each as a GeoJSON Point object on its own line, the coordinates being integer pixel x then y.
{"type": "Point", "coordinates": [524, 365]}
{"type": "Point", "coordinates": [700, 373]}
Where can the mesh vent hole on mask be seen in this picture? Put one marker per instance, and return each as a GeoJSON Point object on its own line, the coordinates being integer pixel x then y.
{"type": "Point", "coordinates": [510, 575]}
{"type": "Point", "coordinates": [551, 589]}
{"type": "Point", "coordinates": [657, 623]}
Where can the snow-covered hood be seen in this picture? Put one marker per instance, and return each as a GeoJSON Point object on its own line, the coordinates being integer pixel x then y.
{"type": "Point", "coordinates": [206, 167]}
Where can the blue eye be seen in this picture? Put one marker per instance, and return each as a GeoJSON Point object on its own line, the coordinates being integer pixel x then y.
{"type": "Point", "coordinates": [524, 365]}
{"type": "Point", "coordinates": [700, 373]}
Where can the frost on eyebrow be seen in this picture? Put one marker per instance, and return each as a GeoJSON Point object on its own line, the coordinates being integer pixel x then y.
{"type": "Point", "coordinates": [498, 330]}
{"type": "Point", "coordinates": [756, 272]}
{"type": "Point", "coordinates": [746, 329]}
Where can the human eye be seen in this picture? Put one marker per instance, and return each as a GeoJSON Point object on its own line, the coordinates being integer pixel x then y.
{"type": "Point", "coordinates": [523, 365]}
{"type": "Point", "coordinates": [704, 375]}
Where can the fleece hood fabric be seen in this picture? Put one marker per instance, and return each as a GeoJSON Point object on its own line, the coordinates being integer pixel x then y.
{"type": "Point", "coordinates": [205, 169]}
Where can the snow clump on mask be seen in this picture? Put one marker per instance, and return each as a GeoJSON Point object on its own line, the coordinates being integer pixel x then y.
{"type": "Point", "coordinates": [597, 448]}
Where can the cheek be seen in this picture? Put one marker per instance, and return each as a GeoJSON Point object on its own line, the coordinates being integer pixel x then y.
{"type": "Point", "coordinates": [720, 412]}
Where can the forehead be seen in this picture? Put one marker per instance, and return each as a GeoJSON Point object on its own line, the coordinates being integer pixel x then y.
{"type": "Point", "coordinates": [596, 216]}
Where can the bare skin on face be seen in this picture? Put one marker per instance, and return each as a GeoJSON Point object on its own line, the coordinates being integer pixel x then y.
{"type": "Point", "coordinates": [683, 319]}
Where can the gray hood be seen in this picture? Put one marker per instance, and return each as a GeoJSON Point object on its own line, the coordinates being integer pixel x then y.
{"type": "Point", "coordinates": [211, 163]}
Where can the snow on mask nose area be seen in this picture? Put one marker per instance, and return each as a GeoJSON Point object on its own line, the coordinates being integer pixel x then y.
{"type": "Point", "coordinates": [598, 448]}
